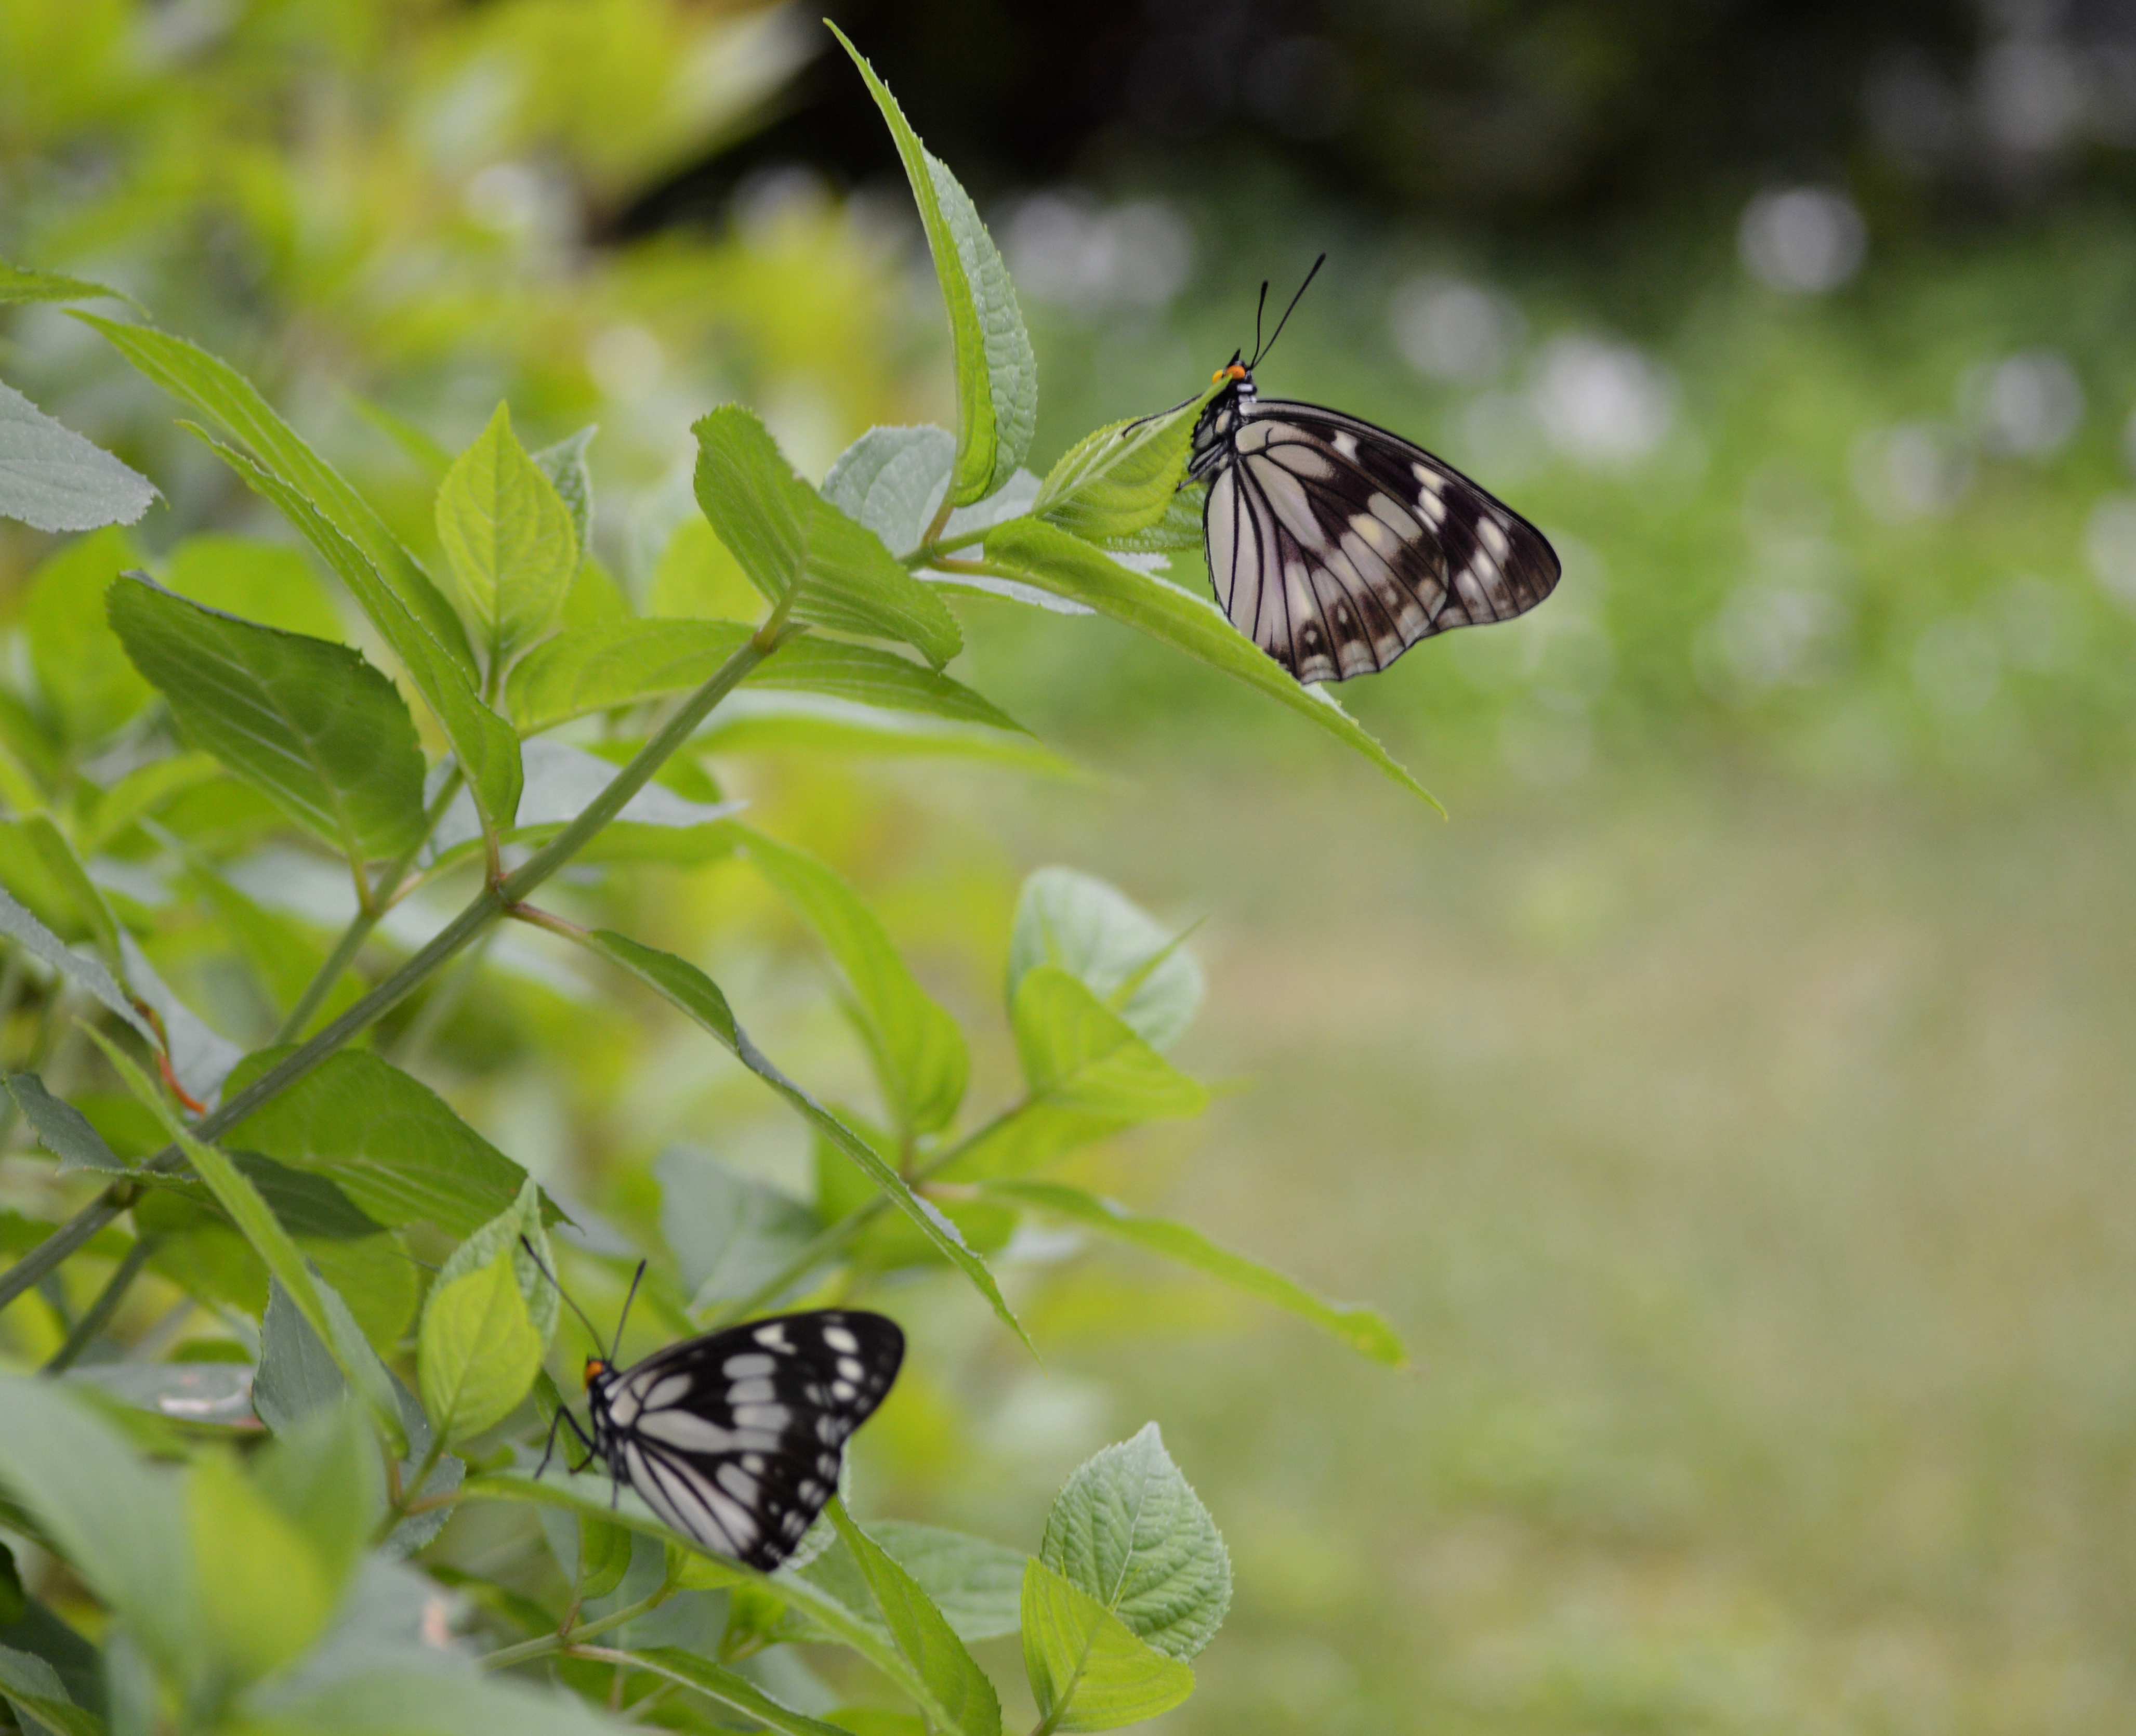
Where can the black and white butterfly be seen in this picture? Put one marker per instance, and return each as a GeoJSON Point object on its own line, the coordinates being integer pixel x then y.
{"type": "Point", "coordinates": [736, 1438]}
{"type": "Point", "coordinates": [1335, 545]}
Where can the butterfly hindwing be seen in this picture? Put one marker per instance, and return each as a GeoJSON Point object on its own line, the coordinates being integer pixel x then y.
{"type": "Point", "coordinates": [736, 1438]}
{"type": "Point", "coordinates": [1335, 545]}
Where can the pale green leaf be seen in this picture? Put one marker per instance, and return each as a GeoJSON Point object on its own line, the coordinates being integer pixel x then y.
{"type": "Point", "coordinates": [729, 1232]}
{"type": "Point", "coordinates": [1087, 1670]}
{"type": "Point", "coordinates": [306, 722]}
{"type": "Point", "coordinates": [730, 1689]}
{"type": "Point", "coordinates": [19, 926]}
{"type": "Point", "coordinates": [924, 1635]}
{"type": "Point", "coordinates": [487, 745]}
{"type": "Point", "coordinates": [996, 373]}
{"type": "Point", "coordinates": [799, 550]}
{"type": "Point", "coordinates": [266, 1594]}
{"type": "Point", "coordinates": [61, 1129]}
{"type": "Point", "coordinates": [1049, 557]}
{"type": "Point", "coordinates": [53, 479]}
{"type": "Point", "coordinates": [269, 583]}
{"type": "Point", "coordinates": [40, 867]}
{"type": "Point", "coordinates": [19, 283]}
{"type": "Point", "coordinates": [1125, 957]}
{"type": "Point", "coordinates": [1359, 1327]}
{"type": "Point", "coordinates": [696, 995]}
{"type": "Point", "coordinates": [1121, 480]}
{"type": "Point", "coordinates": [118, 1522]}
{"type": "Point", "coordinates": [479, 1352]}
{"type": "Point", "coordinates": [394, 1145]}
{"type": "Point", "coordinates": [625, 663]}
{"type": "Point", "coordinates": [918, 1050]}
{"type": "Point", "coordinates": [892, 480]}
{"type": "Point", "coordinates": [33, 1689]}
{"type": "Point", "coordinates": [974, 1580]}
{"type": "Point", "coordinates": [512, 542]}
{"type": "Point", "coordinates": [212, 387]}
{"type": "Point", "coordinates": [503, 1235]}
{"type": "Point", "coordinates": [565, 465]}
{"type": "Point", "coordinates": [82, 670]}
{"type": "Point", "coordinates": [1127, 1530]}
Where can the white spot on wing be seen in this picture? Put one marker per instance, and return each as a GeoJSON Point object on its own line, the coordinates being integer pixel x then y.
{"type": "Point", "coordinates": [741, 1368]}
{"type": "Point", "coordinates": [773, 1337]}
{"type": "Point", "coordinates": [839, 1339]}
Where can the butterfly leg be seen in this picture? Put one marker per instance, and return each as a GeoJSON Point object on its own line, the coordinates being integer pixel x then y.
{"type": "Point", "coordinates": [549, 1445]}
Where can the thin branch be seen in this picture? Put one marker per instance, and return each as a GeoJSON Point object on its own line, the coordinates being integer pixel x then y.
{"type": "Point", "coordinates": [99, 1312]}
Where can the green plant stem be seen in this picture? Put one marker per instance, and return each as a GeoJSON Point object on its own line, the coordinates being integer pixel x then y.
{"type": "Point", "coordinates": [543, 1645]}
{"type": "Point", "coordinates": [371, 906]}
{"type": "Point", "coordinates": [405, 1499]}
{"type": "Point", "coordinates": [483, 910]}
{"type": "Point", "coordinates": [100, 1310]}
{"type": "Point", "coordinates": [929, 551]}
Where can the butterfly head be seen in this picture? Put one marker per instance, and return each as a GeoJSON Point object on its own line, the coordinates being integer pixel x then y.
{"type": "Point", "coordinates": [1232, 370]}
{"type": "Point", "coordinates": [598, 1369]}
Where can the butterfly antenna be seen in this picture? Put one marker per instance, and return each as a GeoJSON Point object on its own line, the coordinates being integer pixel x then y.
{"type": "Point", "coordinates": [637, 1278]}
{"type": "Point", "coordinates": [1260, 307]}
{"type": "Point", "coordinates": [1261, 349]}
{"type": "Point", "coordinates": [592, 1330]}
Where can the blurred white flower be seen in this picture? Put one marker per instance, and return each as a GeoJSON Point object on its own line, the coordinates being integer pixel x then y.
{"type": "Point", "coordinates": [1801, 241]}
{"type": "Point", "coordinates": [1601, 403]}
{"type": "Point", "coordinates": [1770, 635]}
{"type": "Point", "coordinates": [1915, 470]}
{"type": "Point", "coordinates": [1449, 328]}
{"type": "Point", "coordinates": [2028, 404]}
{"type": "Point", "coordinates": [2110, 541]}
{"type": "Point", "coordinates": [1066, 248]}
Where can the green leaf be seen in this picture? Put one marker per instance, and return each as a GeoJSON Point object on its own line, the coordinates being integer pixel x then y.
{"type": "Point", "coordinates": [322, 1473]}
{"type": "Point", "coordinates": [32, 1689]}
{"type": "Point", "coordinates": [19, 283]}
{"type": "Point", "coordinates": [623, 663]}
{"type": "Point", "coordinates": [216, 389]}
{"type": "Point", "coordinates": [794, 723]}
{"type": "Point", "coordinates": [922, 1633]}
{"type": "Point", "coordinates": [603, 1557]}
{"type": "Point", "coordinates": [266, 1594]}
{"type": "Point", "coordinates": [974, 1580]}
{"type": "Point", "coordinates": [696, 995]}
{"type": "Point", "coordinates": [395, 1147]}
{"type": "Point", "coordinates": [511, 541]}
{"type": "Point", "coordinates": [82, 670]}
{"type": "Point", "coordinates": [257, 1222]}
{"type": "Point", "coordinates": [1127, 1530]}
{"type": "Point", "coordinates": [799, 549]}
{"type": "Point", "coordinates": [996, 373]}
{"type": "Point", "coordinates": [1087, 1074]}
{"type": "Point", "coordinates": [730, 1688]}
{"type": "Point", "coordinates": [729, 1232]}
{"type": "Point", "coordinates": [1049, 557]}
{"type": "Point", "coordinates": [39, 865]}
{"type": "Point", "coordinates": [565, 465]}
{"type": "Point", "coordinates": [308, 722]}
{"type": "Point", "coordinates": [61, 1129]}
{"type": "Point", "coordinates": [892, 480]}
{"type": "Point", "coordinates": [119, 1523]}
{"type": "Point", "coordinates": [919, 1051]}
{"type": "Point", "coordinates": [502, 1235]}
{"type": "Point", "coordinates": [142, 792]}
{"type": "Point", "coordinates": [19, 926]}
{"type": "Point", "coordinates": [1121, 480]}
{"type": "Point", "coordinates": [420, 1693]}
{"type": "Point", "coordinates": [487, 745]}
{"type": "Point", "coordinates": [1087, 1670]}
{"type": "Point", "coordinates": [270, 584]}
{"type": "Point", "coordinates": [589, 1493]}
{"type": "Point", "coordinates": [1178, 530]}
{"type": "Point", "coordinates": [1359, 1327]}
{"type": "Point", "coordinates": [1122, 954]}
{"type": "Point", "coordinates": [656, 824]}
{"type": "Point", "coordinates": [479, 1351]}
{"type": "Point", "coordinates": [52, 479]}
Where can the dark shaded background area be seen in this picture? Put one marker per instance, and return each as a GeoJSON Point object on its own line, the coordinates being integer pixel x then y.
{"type": "Point", "coordinates": [1495, 115]}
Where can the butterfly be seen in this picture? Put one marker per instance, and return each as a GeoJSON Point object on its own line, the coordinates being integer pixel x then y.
{"type": "Point", "coordinates": [1335, 545]}
{"type": "Point", "coordinates": [736, 1438]}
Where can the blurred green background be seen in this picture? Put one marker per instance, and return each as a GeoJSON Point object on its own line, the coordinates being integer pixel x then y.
{"type": "Point", "coordinates": [1731, 1104]}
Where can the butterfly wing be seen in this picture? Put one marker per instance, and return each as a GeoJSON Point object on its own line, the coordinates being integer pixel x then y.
{"type": "Point", "coordinates": [736, 1439]}
{"type": "Point", "coordinates": [1335, 545]}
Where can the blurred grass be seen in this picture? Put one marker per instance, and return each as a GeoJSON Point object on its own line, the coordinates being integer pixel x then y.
{"type": "Point", "coordinates": [1747, 1169]}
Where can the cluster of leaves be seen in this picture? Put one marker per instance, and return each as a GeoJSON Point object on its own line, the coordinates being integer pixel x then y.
{"type": "Point", "coordinates": [190, 737]}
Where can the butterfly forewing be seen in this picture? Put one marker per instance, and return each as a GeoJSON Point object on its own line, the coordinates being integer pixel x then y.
{"type": "Point", "coordinates": [735, 1439]}
{"type": "Point", "coordinates": [1336, 546]}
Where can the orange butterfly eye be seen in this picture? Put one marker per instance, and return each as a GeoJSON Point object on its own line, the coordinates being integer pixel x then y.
{"type": "Point", "coordinates": [1232, 372]}
{"type": "Point", "coordinates": [596, 1368]}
